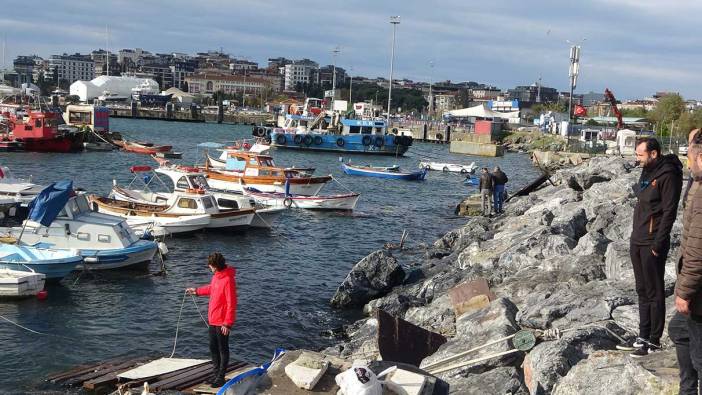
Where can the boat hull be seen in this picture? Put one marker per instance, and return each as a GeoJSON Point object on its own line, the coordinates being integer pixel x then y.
{"type": "Point", "coordinates": [58, 144]}
{"type": "Point", "coordinates": [231, 219]}
{"type": "Point", "coordinates": [231, 182]}
{"type": "Point", "coordinates": [19, 283]}
{"type": "Point", "coordinates": [53, 269]}
{"type": "Point", "coordinates": [138, 253]}
{"type": "Point", "coordinates": [265, 218]}
{"type": "Point", "coordinates": [354, 144]}
{"type": "Point", "coordinates": [329, 202]}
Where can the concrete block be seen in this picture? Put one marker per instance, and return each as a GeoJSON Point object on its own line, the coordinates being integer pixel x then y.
{"type": "Point", "coordinates": [479, 149]}
{"type": "Point", "coordinates": [404, 382]}
{"type": "Point", "coordinates": [307, 370]}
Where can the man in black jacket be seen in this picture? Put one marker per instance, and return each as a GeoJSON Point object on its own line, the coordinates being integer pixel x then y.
{"type": "Point", "coordinates": [485, 188]}
{"type": "Point", "coordinates": [658, 193]}
{"type": "Point", "coordinates": [498, 192]}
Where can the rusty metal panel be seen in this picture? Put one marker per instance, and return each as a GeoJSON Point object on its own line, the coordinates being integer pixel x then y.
{"type": "Point", "coordinates": [401, 341]}
{"type": "Point", "coordinates": [470, 296]}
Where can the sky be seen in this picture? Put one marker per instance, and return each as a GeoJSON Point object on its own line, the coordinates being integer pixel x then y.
{"type": "Point", "coordinates": [633, 47]}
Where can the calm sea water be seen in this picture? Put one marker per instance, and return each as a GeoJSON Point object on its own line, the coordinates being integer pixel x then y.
{"type": "Point", "coordinates": [285, 276]}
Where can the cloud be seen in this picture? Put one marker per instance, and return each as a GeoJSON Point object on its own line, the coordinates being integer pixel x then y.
{"type": "Point", "coordinates": [638, 45]}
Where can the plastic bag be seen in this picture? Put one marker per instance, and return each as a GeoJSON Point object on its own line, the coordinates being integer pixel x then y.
{"type": "Point", "coordinates": [360, 380]}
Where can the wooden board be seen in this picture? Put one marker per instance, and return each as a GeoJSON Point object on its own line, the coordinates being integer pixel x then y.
{"type": "Point", "coordinates": [465, 296]}
{"type": "Point", "coordinates": [159, 367]}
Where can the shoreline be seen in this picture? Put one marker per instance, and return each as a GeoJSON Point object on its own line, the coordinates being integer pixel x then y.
{"type": "Point", "coordinates": [557, 258]}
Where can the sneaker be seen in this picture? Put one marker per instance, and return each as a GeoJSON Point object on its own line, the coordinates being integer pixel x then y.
{"type": "Point", "coordinates": [647, 349]}
{"type": "Point", "coordinates": [632, 345]}
{"type": "Point", "coordinates": [218, 382]}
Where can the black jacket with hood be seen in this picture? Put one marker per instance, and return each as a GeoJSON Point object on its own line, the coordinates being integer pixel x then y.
{"type": "Point", "coordinates": [658, 193]}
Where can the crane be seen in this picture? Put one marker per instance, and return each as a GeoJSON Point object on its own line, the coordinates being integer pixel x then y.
{"type": "Point", "coordinates": [609, 96]}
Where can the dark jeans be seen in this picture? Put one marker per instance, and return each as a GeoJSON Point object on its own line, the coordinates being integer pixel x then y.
{"type": "Point", "coordinates": [680, 335]}
{"type": "Point", "coordinates": [498, 197]}
{"type": "Point", "coordinates": [648, 273]}
{"type": "Point", "coordinates": [219, 349]}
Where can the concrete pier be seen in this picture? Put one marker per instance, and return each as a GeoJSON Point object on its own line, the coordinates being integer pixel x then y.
{"type": "Point", "coordinates": [191, 115]}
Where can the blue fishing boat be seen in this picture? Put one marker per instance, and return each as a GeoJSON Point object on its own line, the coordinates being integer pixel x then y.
{"type": "Point", "coordinates": [316, 129]}
{"type": "Point", "coordinates": [55, 264]}
{"type": "Point", "coordinates": [392, 172]}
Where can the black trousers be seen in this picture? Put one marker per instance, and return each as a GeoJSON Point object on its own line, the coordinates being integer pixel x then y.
{"type": "Point", "coordinates": [648, 273]}
{"type": "Point", "coordinates": [678, 330]}
{"type": "Point", "coordinates": [219, 350]}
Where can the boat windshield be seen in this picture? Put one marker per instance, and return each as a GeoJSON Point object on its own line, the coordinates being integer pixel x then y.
{"type": "Point", "coordinates": [199, 181]}
{"type": "Point", "coordinates": [268, 162]}
{"type": "Point", "coordinates": [82, 203]}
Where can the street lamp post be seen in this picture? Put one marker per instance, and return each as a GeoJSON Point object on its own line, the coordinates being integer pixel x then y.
{"type": "Point", "coordinates": [573, 74]}
{"type": "Point", "coordinates": [350, 84]}
{"type": "Point", "coordinates": [431, 95]}
{"type": "Point", "coordinates": [394, 20]}
{"type": "Point", "coordinates": [335, 51]}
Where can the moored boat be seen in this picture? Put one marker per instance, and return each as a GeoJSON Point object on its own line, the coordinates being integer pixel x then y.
{"type": "Point", "coordinates": [142, 147]}
{"type": "Point", "coordinates": [38, 130]}
{"type": "Point", "coordinates": [20, 283]}
{"type": "Point", "coordinates": [54, 264]}
{"type": "Point", "coordinates": [392, 172]}
{"type": "Point", "coordinates": [449, 167]}
{"type": "Point", "coordinates": [346, 201]}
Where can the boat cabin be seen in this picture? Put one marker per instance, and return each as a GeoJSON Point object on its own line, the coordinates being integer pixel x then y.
{"type": "Point", "coordinates": [35, 125]}
{"type": "Point", "coordinates": [97, 118]}
{"type": "Point", "coordinates": [256, 165]}
{"type": "Point", "coordinates": [363, 126]}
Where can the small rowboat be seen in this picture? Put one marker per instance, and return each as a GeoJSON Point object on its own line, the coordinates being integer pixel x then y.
{"type": "Point", "coordinates": [20, 283]}
{"type": "Point", "coordinates": [345, 201]}
{"type": "Point", "coordinates": [392, 172]}
{"type": "Point", "coordinates": [452, 167]}
{"type": "Point", "coordinates": [142, 148]}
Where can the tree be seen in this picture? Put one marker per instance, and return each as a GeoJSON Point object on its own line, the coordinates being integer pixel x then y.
{"type": "Point", "coordinates": [690, 120]}
{"type": "Point", "coordinates": [668, 109]}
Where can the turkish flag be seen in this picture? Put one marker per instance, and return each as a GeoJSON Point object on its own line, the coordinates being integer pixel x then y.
{"type": "Point", "coordinates": [580, 111]}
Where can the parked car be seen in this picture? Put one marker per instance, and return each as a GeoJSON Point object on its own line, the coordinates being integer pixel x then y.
{"type": "Point", "coordinates": [682, 150]}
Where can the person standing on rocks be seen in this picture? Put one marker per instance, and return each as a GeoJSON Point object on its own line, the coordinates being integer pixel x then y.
{"type": "Point", "coordinates": [221, 313]}
{"type": "Point", "coordinates": [486, 186]}
{"type": "Point", "coordinates": [498, 193]}
{"type": "Point", "coordinates": [658, 192]}
{"type": "Point", "coordinates": [685, 323]}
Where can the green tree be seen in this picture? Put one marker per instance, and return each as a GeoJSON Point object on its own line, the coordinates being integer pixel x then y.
{"type": "Point", "coordinates": [690, 120]}
{"type": "Point", "coordinates": [669, 109]}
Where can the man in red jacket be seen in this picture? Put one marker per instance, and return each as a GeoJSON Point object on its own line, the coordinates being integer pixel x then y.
{"type": "Point", "coordinates": [221, 313]}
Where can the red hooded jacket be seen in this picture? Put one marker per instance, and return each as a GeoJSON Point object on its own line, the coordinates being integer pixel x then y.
{"type": "Point", "coordinates": [222, 293]}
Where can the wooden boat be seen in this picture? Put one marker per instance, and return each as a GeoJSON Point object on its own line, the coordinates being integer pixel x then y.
{"type": "Point", "coordinates": [345, 201]}
{"type": "Point", "coordinates": [260, 172]}
{"type": "Point", "coordinates": [142, 147]}
{"type": "Point", "coordinates": [449, 167]}
{"type": "Point", "coordinates": [392, 172]}
{"type": "Point", "coordinates": [20, 283]}
{"type": "Point", "coordinates": [98, 146]}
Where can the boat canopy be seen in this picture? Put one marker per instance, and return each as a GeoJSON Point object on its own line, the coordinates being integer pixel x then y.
{"type": "Point", "coordinates": [49, 203]}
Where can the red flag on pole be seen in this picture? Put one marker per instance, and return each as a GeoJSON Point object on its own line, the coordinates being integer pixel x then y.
{"type": "Point", "coordinates": [580, 111]}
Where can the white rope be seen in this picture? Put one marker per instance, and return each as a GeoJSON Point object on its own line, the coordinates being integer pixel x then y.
{"type": "Point", "coordinates": [342, 185]}
{"type": "Point", "coordinates": [23, 327]}
{"type": "Point", "coordinates": [180, 313]}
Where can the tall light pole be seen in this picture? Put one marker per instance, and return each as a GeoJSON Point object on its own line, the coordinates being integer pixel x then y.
{"type": "Point", "coordinates": [394, 20]}
{"type": "Point", "coordinates": [350, 84]}
{"type": "Point", "coordinates": [335, 52]}
{"type": "Point", "coordinates": [573, 74]}
{"type": "Point", "coordinates": [431, 95]}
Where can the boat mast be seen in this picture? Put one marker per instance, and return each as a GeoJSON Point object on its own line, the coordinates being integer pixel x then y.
{"type": "Point", "coordinates": [107, 49]}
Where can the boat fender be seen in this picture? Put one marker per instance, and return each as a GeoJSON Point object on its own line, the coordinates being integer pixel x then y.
{"type": "Point", "coordinates": [464, 170]}
{"type": "Point", "coordinates": [297, 139]}
{"type": "Point", "coordinates": [259, 131]}
{"type": "Point", "coordinates": [445, 169]}
{"type": "Point", "coordinates": [268, 139]}
{"type": "Point", "coordinates": [379, 141]}
{"type": "Point", "coordinates": [280, 139]}
{"type": "Point", "coordinates": [394, 130]}
{"type": "Point", "coordinates": [95, 207]}
{"type": "Point", "coordinates": [247, 146]}
{"type": "Point", "coordinates": [367, 140]}
{"type": "Point", "coordinates": [287, 202]}
{"type": "Point", "coordinates": [318, 140]}
{"type": "Point", "coordinates": [163, 248]}
{"type": "Point", "coordinates": [340, 142]}
{"type": "Point", "coordinates": [307, 140]}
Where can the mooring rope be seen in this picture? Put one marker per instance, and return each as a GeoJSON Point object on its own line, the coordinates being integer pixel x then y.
{"type": "Point", "coordinates": [25, 328]}
{"type": "Point", "coordinates": [180, 314]}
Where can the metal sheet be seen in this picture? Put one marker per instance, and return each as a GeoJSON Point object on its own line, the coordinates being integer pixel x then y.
{"type": "Point", "coordinates": [159, 367]}
{"type": "Point", "coordinates": [401, 341]}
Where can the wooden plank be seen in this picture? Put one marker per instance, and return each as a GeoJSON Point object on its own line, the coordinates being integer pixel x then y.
{"type": "Point", "coordinates": [106, 370]}
{"type": "Point", "coordinates": [189, 378]}
{"type": "Point", "coordinates": [60, 376]}
{"type": "Point", "coordinates": [194, 381]}
{"type": "Point", "coordinates": [402, 341]}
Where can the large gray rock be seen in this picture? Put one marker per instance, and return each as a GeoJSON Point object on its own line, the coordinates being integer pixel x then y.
{"type": "Point", "coordinates": [550, 361]}
{"type": "Point", "coordinates": [502, 380]}
{"type": "Point", "coordinates": [437, 316]}
{"type": "Point", "coordinates": [361, 343]}
{"type": "Point", "coordinates": [593, 243]}
{"type": "Point", "coordinates": [618, 262]}
{"type": "Point", "coordinates": [567, 307]}
{"type": "Point", "coordinates": [477, 328]}
{"type": "Point", "coordinates": [610, 372]}
{"type": "Point", "coordinates": [374, 276]}
{"type": "Point", "coordinates": [570, 221]}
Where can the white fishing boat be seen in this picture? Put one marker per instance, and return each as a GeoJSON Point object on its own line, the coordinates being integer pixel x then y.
{"type": "Point", "coordinates": [54, 264]}
{"type": "Point", "coordinates": [18, 189]}
{"type": "Point", "coordinates": [346, 201]}
{"type": "Point", "coordinates": [184, 178]}
{"type": "Point", "coordinates": [104, 241]}
{"type": "Point", "coordinates": [449, 167]}
{"type": "Point", "coordinates": [192, 201]}
{"type": "Point", "coordinates": [20, 283]}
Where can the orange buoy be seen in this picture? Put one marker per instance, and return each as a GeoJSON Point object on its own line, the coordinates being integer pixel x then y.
{"type": "Point", "coordinates": [42, 295]}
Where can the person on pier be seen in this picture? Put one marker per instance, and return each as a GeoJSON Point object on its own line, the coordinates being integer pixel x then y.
{"type": "Point", "coordinates": [221, 313]}
{"type": "Point", "coordinates": [485, 187]}
{"type": "Point", "coordinates": [658, 193]}
{"type": "Point", "coordinates": [498, 193]}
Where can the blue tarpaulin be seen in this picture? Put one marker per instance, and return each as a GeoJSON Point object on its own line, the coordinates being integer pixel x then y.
{"type": "Point", "coordinates": [49, 202]}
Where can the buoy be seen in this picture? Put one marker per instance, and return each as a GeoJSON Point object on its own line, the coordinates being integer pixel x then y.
{"type": "Point", "coordinates": [42, 295]}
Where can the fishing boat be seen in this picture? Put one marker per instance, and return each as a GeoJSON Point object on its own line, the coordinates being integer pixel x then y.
{"type": "Point", "coordinates": [104, 241]}
{"type": "Point", "coordinates": [193, 201]}
{"type": "Point", "coordinates": [142, 147]}
{"type": "Point", "coordinates": [260, 172]}
{"type": "Point", "coordinates": [449, 167]}
{"type": "Point", "coordinates": [20, 283]}
{"type": "Point", "coordinates": [20, 190]}
{"type": "Point", "coordinates": [54, 264]}
{"type": "Point", "coordinates": [391, 172]}
{"type": "Point", "coordinates": [316, 127]}
{"type": "Point", "coordinates": [98, 146]}
{"type": "Point", "coordinates": [143, 217]}
{"type": "Point", "coordinates": [346, 201]}
{"type": "Point", "coordinates": [184, 178]}
{"type": "Point", "coordinates": [38, 130]}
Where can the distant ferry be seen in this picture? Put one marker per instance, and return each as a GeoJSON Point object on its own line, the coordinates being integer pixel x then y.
{"type": "Point", "coordinates": [315, 129]}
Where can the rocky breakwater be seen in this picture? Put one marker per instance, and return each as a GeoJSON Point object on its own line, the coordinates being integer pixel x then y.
{"type": "Point", "coordinates": [558, 258]}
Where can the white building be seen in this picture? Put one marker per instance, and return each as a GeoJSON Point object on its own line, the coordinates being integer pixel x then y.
{"type": "Point", "coordinates": [208, 83]}
{"type": "Point", "coordinates": [299, 72]}
{"type": "Point", "coordinates": [116, 86]}
{"type": "Point", "coordinates": [71, 67]}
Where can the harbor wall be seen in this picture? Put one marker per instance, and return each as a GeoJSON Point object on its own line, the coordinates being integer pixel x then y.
{"type": "Point", "coordinates": [188, 116]}
{"type": "Point", "coordinates": [475, 148]}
